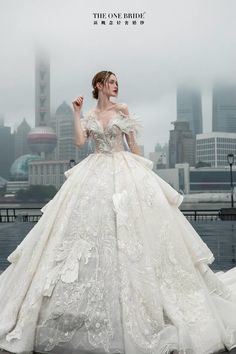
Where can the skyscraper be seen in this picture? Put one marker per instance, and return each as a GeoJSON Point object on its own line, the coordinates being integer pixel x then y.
{"type": "Point", "coordinates": [189, 107]}
{"type": "Point", "coordinates": [181, 144]}
{"type": "Point", "coordinates": [21, 144]}
{"type": "Point", "coordinates": [42, 89]}
{"type": "Point", "coordinates": [6, 150]}
{"type": "Point", "coordinates": [42, 138]}
{"type": "Point", "coordinates": [224, 108]}
{"type": "Point", "coordinates": [63, 124]}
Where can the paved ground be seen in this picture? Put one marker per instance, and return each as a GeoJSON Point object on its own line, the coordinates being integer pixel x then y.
{"type": "Point", "coordinates": [221, 352]}
{"type": "Point", "coordinates": [231, 352]}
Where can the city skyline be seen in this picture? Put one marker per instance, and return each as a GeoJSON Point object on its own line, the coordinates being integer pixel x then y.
{"type": "Point", "coordinates": [148, 70]}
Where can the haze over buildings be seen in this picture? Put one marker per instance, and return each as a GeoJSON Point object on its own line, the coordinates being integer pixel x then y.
{"type": "Point", "coordinates": [189, 107]}
{"type": "Point", "coordinates": [194, 42]}
{"type": "Point", "coordinates": [224, 108]}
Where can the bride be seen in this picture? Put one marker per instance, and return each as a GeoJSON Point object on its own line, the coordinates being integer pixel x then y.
{"type": "Point", "coordinates": [113, 266]}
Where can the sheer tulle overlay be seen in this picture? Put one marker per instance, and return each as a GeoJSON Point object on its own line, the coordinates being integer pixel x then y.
{"type": "Point", "coordinates": [113, 266]}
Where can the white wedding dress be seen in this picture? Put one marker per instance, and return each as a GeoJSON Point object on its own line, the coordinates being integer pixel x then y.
{"type": "Point", "coordinates": [113, 266]}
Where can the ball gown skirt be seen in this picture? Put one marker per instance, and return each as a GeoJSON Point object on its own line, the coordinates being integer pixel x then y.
{"type": "Point", "coordinates": [113, 266]}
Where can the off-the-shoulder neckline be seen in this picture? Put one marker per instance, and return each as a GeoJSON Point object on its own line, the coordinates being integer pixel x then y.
{"type": "Point", "coordinates": [94, 115]}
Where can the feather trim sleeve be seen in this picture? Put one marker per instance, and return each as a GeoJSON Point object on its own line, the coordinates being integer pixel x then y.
{"type": "Point", "coordinates": [130, 123]}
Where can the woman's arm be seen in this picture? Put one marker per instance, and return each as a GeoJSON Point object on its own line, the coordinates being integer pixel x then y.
{"type": "Point", "coordinates": [131, 138]}
{"type": "Point", "coordinates": [80, 133]}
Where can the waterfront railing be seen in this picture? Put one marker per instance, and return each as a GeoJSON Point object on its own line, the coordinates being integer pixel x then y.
{"type": "Point", "coordinates": [33, 214]}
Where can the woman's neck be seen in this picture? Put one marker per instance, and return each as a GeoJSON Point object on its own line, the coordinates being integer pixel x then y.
{"type": "Point", "coordinates": [104, 104]}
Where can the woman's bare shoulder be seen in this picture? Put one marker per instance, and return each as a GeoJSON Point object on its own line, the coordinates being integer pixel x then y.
{"type": "Point", "coordinates": [123, 107]}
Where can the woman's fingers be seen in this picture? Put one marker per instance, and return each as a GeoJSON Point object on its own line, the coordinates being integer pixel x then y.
{"type": "Point", "coordinates": [78, 101]}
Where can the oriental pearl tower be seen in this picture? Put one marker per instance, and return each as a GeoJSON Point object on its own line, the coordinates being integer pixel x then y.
{"type": "Point", "coordinates": [42, 139]}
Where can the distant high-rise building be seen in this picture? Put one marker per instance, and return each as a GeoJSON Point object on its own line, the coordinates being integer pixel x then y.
{"type": "Point", "coordinates": [189, 107]}
{"type": "Point", "coordinates": [181, 144]}
{"type": "Point", "coordinates": [224, 108]}
{"type": "Point", "coordinates": [42, 89]}
{"type": "Point", "coordinates": [21, 144]}
{"type": "Point", "coordinates": [159, 156]}
{"type": "Point", "coordinates": [6, 150]}
{"type": "Point", "coordinates": [63, 124]}
{"type": "Point", "coordinates": [42, 138]}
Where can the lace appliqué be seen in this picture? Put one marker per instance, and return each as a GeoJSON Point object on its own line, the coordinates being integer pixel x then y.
{"type": "Point", "coordinates": [128, 241]}
{"type": "Point", "coordinates": [110, 138]}
{"type": "Point", "coordinates": [79, 289]}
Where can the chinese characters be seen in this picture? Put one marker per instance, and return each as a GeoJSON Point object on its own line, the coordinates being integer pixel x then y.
{"type": "Point", "coordinates": [118, 18]}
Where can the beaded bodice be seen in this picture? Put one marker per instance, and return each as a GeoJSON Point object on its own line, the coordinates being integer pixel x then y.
{"type": "Point", "coordinates": [109, 138]}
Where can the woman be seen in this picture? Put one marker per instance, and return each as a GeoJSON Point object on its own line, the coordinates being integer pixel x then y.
{"type": "Point", "coordinates": [113, 266]}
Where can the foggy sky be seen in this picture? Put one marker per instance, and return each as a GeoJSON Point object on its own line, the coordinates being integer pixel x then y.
{"type": "Point", "coordinates": [181, 41]}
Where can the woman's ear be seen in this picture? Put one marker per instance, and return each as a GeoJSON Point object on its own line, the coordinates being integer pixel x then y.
{"type": "Point", "coordinates": [99, 85]}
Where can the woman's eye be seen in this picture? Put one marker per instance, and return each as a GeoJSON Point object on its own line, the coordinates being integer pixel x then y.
{"type": "Point", "coordinates": [112, 82]}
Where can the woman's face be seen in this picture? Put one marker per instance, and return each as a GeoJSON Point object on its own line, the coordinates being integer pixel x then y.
{"type": "Point", "coordinates": [110, 88]}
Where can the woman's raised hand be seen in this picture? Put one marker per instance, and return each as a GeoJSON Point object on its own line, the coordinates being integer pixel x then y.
{"type": "Point", "coordinates": [77, 103]}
